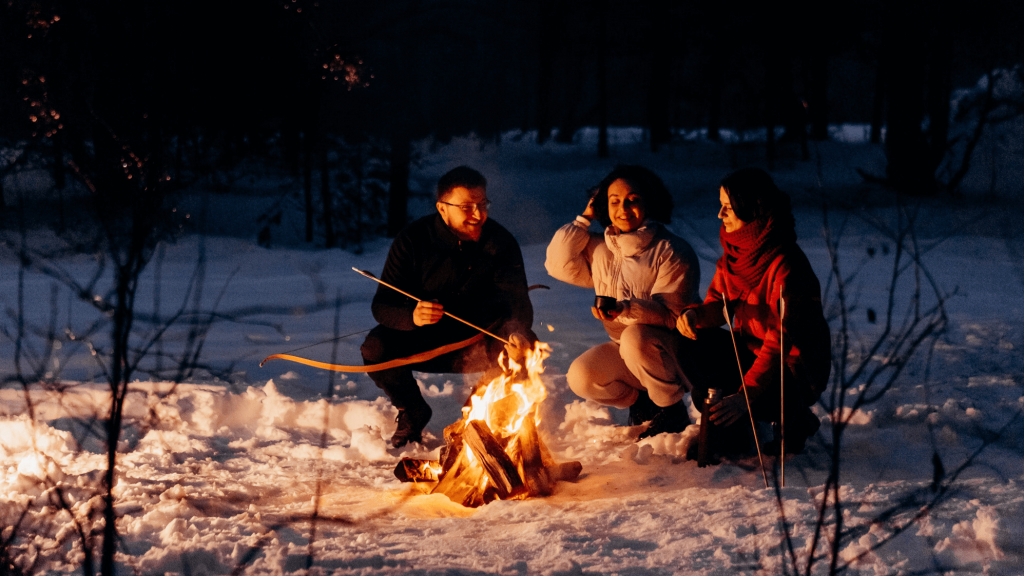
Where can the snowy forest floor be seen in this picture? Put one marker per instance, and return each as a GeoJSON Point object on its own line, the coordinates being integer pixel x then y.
{"type": "Point", "coordinates": [213, 474]}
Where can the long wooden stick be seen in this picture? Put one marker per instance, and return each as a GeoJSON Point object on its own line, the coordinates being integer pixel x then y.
{"type": "Point", "coordinates": [782, 392]}
{"type": "Point", "coordinates": [753, 427]}
{"type": "Point", "coordinates": [379, 281]}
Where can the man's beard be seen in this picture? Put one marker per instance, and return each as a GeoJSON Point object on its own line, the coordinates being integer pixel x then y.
{"type": "Point", "coordinates": [471, 233]}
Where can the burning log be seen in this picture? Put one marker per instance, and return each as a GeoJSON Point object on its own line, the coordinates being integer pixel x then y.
{"type": "Point", "coordinates": [416, 470]}
{"type": "Point", "coordinates": [494, 450]}
{"type": "Point", "coordinates": [464, 483]}
{"type": "Point", "coordinates": [531, 462]}
{"type": "Point", "coordinates": [500, 468]}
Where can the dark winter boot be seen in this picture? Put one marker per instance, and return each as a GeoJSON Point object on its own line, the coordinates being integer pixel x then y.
{"type": "Point", "coordinates": [411, 422]}
{"type": "Point", "coordinates": [734, 440]}
{"type": "Point", "coordinates": [797, 433]}
{"type": "Point", "coordinates": [643, 410]}
{"type": "Point", "coordinates": [723, 441]}
{"type": "Point", "coordinates": [671, 419]}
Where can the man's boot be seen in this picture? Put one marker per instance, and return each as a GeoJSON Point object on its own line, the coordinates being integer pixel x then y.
{"type": "Point", "coordinates": [411, 421]}
{"type": "Point", "coordinates": [672, 419]}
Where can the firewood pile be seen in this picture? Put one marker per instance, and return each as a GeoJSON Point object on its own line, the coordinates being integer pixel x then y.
{"type": "Point", "coordinates": [494, 451]}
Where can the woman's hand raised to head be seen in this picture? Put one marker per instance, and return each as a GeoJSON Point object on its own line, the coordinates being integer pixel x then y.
{"type": "Point", "coordinates": [588, 212]}
{"type": "Point", "coordinates": [686, 323]}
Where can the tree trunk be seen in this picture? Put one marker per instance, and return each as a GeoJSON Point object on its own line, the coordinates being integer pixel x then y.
{"type": "Point", "coordinates": [325, 194]}
{"type": "Point", "coordinates": [878, 102]}
{"type": "Point", "coordinates": [307, 182]}
{"type": "Point", "coordinates": [398, 190]}
{"type": "Point", "coordinates": [772, 88]}
{"type": "Point", "coordinates": [291, 144]}
{"type": "Point", "coordinates": [179, 154]}
{"type": "Point", "coordinates": [817, 93]}
{"type": "Point", "coordinates": [602, 78]}
{"type": "Point", "coordinates": [58, 178]}
{"type": "Point", "coordinates": [939, 88]}
{"type": "Point", "coordinates": [714, 103]}
{"type": "Point", "coordinates": [659, 98]}
{"type": "Point", "coordinates": [357, 216]}
{"type": "Point", "coordinates": [572, 92]}
{"type": "Point", "coordinates": [58, 161]}
{"type": "Point", "coordinates": [908, 153]}
{"type": "Point", "coordinates": [118, 387]}
{"type": "Point", "coordinates": [550, 29]}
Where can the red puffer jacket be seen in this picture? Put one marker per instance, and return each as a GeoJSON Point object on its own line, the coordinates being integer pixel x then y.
{"type": "Point", "coordinates": [756, 318]}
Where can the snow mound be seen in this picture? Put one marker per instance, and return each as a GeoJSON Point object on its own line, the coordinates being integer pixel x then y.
{"type": "Point", "coordinates": [975, 540]}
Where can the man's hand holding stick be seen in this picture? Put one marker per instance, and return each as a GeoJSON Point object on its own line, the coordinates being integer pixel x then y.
{"type": "Point", "coordinates": [428, 312]}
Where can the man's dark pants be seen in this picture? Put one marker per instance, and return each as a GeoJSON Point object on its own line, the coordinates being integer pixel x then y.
{"type": "Point", "coordinates": [383, 344]}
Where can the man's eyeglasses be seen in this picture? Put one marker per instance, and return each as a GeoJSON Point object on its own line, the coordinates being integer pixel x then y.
{"type": "Point", "coordinates": [470, 208]}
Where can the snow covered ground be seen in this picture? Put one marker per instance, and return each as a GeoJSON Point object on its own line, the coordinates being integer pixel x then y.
{"type": "Point", "coordinates": [217, 474]}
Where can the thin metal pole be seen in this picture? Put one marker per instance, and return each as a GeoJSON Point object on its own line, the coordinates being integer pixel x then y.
{"type": "Point", "coordinates": [753, 427]}
{"type": "Point", "coordinates": [782, 392]}
{"type": "Point", "coordinates": [379, 281]}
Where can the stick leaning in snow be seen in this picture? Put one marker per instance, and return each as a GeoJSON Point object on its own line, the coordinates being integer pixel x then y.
{"type": "Point", "coordinates": [753, 428]}
{"type": "Point", "coordinates": [782, 394]}
{"type": "Point", "coordinates": [379, 281]}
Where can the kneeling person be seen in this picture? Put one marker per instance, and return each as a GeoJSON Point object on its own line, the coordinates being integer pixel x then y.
{"type": "Point", "coordinates": [457, 261]}
{"type": "Point", "coordinates": [761, 264]}
{"type": "Point", "coordinates": [651, 275]}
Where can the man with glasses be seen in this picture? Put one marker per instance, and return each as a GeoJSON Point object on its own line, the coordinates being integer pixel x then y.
{"type": "Point", "coordinates": [456, 261]}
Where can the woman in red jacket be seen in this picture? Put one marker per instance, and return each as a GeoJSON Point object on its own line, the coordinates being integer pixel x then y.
{"type": "Point", "coordinates": [761, 264]}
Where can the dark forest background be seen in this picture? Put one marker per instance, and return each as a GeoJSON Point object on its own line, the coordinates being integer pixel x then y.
{"type": "Point", "coordinates": [116, 105]}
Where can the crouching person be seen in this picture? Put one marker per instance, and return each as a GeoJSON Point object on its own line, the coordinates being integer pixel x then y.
{"type": "Point", "coordinates": [761, 264]}
{"type": "Point", "coordinates": [456, 261]}
{"type": "Point", "coordinates": [644, 276]}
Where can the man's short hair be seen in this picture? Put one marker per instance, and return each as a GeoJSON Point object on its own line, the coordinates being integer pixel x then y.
{"type": "Point", "coordinates": [463, 176]}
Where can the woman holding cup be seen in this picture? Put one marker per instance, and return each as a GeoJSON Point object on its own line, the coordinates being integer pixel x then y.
{"type": "Point", "coordinates": [643, 276]}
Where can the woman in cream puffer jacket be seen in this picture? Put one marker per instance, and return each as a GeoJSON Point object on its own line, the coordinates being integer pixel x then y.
{"type": "Point", "coordinates": [652, 274]}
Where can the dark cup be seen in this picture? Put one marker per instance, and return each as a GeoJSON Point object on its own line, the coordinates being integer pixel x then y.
{"type": "Point", "coordinates": [605, 303]}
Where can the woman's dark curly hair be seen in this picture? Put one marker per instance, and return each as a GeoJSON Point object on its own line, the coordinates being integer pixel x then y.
{"type": "Point", "coordinates": [753, 194]}
{"type": "Point", "coordinates": [646, 184]}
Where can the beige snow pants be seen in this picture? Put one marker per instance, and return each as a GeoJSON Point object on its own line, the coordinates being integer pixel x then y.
{"type": "Point", "coordinates": [645, 358]}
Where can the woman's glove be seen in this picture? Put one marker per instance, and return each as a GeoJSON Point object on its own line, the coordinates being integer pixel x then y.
{"type": "Point", "coordinates": [729, 410]}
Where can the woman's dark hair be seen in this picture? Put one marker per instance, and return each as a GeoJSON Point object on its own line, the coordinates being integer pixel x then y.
{"type": "Point", "coordinates": [646, 184]}
{"type": "Point", "coordinates": [753, 194]}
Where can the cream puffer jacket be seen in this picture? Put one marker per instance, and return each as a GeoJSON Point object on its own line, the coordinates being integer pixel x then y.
{"type": "Point", "coordinates": [651, 270]}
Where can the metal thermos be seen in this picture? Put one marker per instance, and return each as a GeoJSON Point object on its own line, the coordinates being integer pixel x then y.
{"type": "Point", "coordinates": [704, 451]}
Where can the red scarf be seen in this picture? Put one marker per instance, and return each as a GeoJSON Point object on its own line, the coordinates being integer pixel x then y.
{"type": "Point", "coordinates": [750, 250]}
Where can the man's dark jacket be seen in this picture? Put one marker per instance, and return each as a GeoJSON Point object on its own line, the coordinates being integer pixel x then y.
{"type": "Point", "coordinates": [481, 282]}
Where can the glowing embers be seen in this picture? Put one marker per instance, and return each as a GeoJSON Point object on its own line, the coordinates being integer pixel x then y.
{"type": "Point", "coordinates": [494, 451]}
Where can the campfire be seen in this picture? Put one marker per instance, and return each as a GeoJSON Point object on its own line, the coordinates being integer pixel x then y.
{"type": "Point", "coordinates": [494, 452]}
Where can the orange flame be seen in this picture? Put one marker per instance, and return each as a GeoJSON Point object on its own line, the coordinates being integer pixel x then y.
{"type": "Point", "coordinates": [505, 402]}
{"type": "Point", "coordinates": [430, 469]}
{"type": "Point", "coordinates": [500, 419]}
